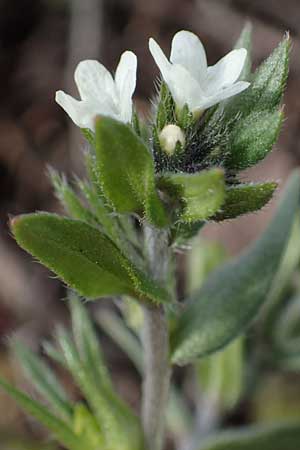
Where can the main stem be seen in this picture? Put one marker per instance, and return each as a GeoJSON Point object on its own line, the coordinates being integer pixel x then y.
{"type": "Point", "coordinates": [156, 348]}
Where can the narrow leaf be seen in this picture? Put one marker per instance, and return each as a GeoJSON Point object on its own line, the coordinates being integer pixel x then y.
{"type": "Point", "coordinates": [230, 299]}
{"type": "Point", "coordinates": [70, 200]}
{"type": "Point", "coordinates": [44, 381]}
{"type": "Point", "coordinates": [61, 431]}
{"type": "Point", "coordinates": [272, 437]}
{"type": "Point", "coordinates": [125, 171]}
{"type": "Point", "coordinates": [120, 427]}
{"type": "Point", "coordinates": [244, 199]}
{"type": "Point", "coordinates": [87, 343]}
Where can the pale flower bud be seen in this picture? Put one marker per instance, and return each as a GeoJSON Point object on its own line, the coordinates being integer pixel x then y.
{"type": "Point", "coordinates": [169, 136]}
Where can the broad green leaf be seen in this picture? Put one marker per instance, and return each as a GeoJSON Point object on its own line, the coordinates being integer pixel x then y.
{"type": "Point", "coordinates": [245, 41]}
{"type": "Point", "coordinates": [267, 85]}
{"type": "Point", "coordinates": [275, 437]}
{"type": "Point", "coordinates": [125, 171]}
{"type": "Point", "coordinates": [201, 194]}
{"type": "Point", "coordinates": [231, 297]}
{"type": "Point", "coordinates": [245, 198]}
{"type": "Point", "coordinates": [253, 138]}
{"type": "Point", "coordinates": [62, 432]}
{"type": "Point", "coordinates": [44, 381]}
{"type": "Point", "coordinates": [82, 256]}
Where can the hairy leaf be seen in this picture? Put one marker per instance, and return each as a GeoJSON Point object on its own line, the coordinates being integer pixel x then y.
{"type": "Point", "coordinates": [245, 198]}
{"type": "Point", "coordinates": [82, 256]}
{"type": "Point", "coordinates": [61, 431]}
{"type": "Point", "coordinates": [125, 171]}
{"type": "Point", "coordinates": [267, 85]}
{"type": "Point", "coordinates": [253, 138]}
{"type": "Point", "coordinates": [44, 380]}
{"type": "Point", "coordinates": [70, 200]}
{"type": "Point", "coordinates": [230, 299]}
{"type": "Point", "coordinates": [201, 194]}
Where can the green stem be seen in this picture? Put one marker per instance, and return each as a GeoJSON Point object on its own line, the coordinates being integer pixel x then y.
{"type": "Point", "coordinates": [156, 348]}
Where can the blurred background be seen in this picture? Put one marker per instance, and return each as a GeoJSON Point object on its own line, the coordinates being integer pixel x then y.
{"type": "Point", "coordinates": [41, 41]}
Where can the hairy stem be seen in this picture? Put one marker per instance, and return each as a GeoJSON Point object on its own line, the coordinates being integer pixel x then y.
{"type": "Point", "coordinates": [156, 349]}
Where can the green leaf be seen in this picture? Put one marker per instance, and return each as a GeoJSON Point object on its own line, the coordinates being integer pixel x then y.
{"type": "Point", "coordinates": [104, 215]}
{"type": "Point", "coordinates": [273, 437]}
{"type": "Point", "coordinates": [253, 138]}
{"type": "Point", "coordinates": [70, 200]}
{"type": "Point", "coordinates": [245, 41]}
{"type": "Point", "coordinates": [183, 231]}
{"type": "Point", "coordinates": [125, 171]}
{"type": "Point", "coordinates": [117, 330]}
{"type": "Point", "coordinates": [83, 257]}
{"type": "Point", "coordinates": [120, 427]}
{"type": "Point", "coordinates": [220, 376]}
{"type": "Point", "coordinates": [87, 428]}
{"type": "Point", "coordinates": [202, 194]}
{"type": "Point", "coordinates": [89, 136]}
{"type": "Point", "coordinates": [231, 298]}
{"type": "Point", "coordinates": [87, 343]}
{"type": "Point", "coordinates": [44, 381]}
{"type": "Point", "coordinates": [245, 198]}
{"type": "Point", "coordinates": [62, 432]}
{"type": "Point", "coordinates": [165, 112]}
{"type": "Point", "coordinates": [267, 85]}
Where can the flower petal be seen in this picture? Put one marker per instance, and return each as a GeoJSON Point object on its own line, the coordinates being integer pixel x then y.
{"type": "Point", "coordinates": [223, 94]}
{"type": "Point", "coordinates": [183, 87]}
{"type": "Point", "coordinates": [226, 71]}
{"type": "Point", "coordinates": [188, 51]}
{"type": "Point", "coordinates": [94, 82]}
{"type": "Point", "coordinates": [84, 112]}
{"type": "Point", "coordinates": [160, 58]}
{"type": "Point", "coordinates": [125, 80]}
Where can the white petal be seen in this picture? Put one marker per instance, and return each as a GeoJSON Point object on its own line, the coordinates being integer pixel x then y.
{"type": "Point", "coordinates": [227, 70]}
{"type": "Point", "coordinates": [188, 51]}
{"type": "Point", "coordinates": [223, 94]}
{"type": "Point", "coordinates": [183, 87]}
{"type": "Point", "coordinates": [125, 80]}
{"type": "Point", "coordinates": [160, 58]}
{"type": "Point", "coordinates": [94, 82]}
{"type": "Point", "coordinates": [84, 112]}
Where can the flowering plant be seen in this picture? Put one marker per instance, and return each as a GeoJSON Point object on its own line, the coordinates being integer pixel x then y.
{"type": "Point", "coordinates": [150, 188]}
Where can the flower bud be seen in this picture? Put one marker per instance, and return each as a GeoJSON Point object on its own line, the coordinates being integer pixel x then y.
{"type": "Point", "coordinates": [169, 136]}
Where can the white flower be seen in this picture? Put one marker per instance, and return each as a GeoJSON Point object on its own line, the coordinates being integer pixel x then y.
{"type": "Point", "coordinates": [169, 136]}
{"type": "Point", "coordinates": [189, 78]}
{"type": "Point", "coordinates": [100, 93]}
